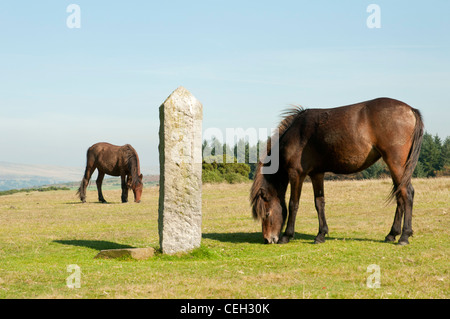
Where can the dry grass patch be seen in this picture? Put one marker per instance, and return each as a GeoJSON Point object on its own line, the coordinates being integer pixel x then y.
{"type": "Point", "coordinates": [41, 233]}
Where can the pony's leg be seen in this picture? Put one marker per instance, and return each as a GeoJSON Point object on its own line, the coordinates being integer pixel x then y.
{"type": "Point", "coordinates": [319, 201]}
{"type": "Point", "coordinates": [296, 181]}
{"type": "Point", "coordinates": [396, 228]}
{"type": "Point", "coordinates": [99, 182]}
{"type": "Point", "coordinates": [90, 168]}
{"type": "Point", "coordinates": [405, 197]}
{"type": "Point", "coordinates": [124, 189]}
{"type": "Point", "coordinates": [407, 222]}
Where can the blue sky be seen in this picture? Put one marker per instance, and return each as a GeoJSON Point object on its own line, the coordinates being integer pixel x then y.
{"type": "Point", "coordinates": [62, 89]}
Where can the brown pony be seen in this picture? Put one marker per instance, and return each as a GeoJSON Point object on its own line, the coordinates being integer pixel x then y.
{"type": "Point", "coordinates": [341, 140]}
{"type": "Point", "coordinates": [113, 160]}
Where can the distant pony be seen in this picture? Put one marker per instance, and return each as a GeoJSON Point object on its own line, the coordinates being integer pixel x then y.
{"type": "Point", "coordinates": [341, 140]}
{"type": "Point", "coordinates": [113, 160]}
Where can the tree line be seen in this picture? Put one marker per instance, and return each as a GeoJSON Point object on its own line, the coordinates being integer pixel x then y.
{"type": "Point", "coordinates": [34, 189]}
{"type": "Point", "coordinates": [237, 163]}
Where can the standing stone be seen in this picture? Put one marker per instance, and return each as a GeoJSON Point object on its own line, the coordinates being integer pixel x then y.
{"type": "Point", "coordinates": [180, 181]}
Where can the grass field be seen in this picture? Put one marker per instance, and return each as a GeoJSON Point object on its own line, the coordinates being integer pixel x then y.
{"type": "Point", "coordinates": [42, 233]}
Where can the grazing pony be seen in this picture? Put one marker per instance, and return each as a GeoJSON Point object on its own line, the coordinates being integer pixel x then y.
{"type": "Point", "coordinates": [341, 140]}
{"type": "Point", "coordinates": [113, 160]}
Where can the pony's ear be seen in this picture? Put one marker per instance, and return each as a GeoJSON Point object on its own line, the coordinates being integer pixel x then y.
{"type": "Point", "coordinates": [141, 177]}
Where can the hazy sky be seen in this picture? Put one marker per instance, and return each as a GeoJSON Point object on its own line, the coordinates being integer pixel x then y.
{"type": "Point", "coordinates": [63, 89]}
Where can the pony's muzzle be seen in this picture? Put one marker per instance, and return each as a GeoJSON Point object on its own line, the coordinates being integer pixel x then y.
{"type": "Point", "coordinates": [271, 240]}
{"type": "Point", "coordinates": [137, 201]}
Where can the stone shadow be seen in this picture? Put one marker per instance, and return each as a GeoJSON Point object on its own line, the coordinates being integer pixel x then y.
{"type": "Point", "coordinates": [93, 244]}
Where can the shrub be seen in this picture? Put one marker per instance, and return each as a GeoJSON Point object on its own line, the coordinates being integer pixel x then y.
{"type": "Point", "coordinates": [229, 171]}
{"type": "Point", "coordinates": [210, 176]}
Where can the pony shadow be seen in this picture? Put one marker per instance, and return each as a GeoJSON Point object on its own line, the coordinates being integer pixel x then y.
{"type": "Point", "coordinates": [235, 238]}
{"type": "Point", "coordinates": [251, 238]}
{"type": "Point", "coordinates": [93, 244]}
{"type": "Point", "coordinates": [257, 238]}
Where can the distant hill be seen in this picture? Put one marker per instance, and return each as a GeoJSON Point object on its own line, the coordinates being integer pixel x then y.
{"type": "Point", "coordinates": [13, 175]}
{"type": "Point", "coordinates": [17, 176]}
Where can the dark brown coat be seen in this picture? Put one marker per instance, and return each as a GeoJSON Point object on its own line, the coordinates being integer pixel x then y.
{"type": "Point", "coordinates": [341, 140]}
{"type": "Point", "coordinates": [113, 160]}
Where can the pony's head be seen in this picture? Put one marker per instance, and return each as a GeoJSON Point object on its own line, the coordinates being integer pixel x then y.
{"type": "Point", "coordinates": [268, 208]}
{"type": "Point", "coordinates": [268, 190]}
{"type": "Point", "coordinates": [136, 186]}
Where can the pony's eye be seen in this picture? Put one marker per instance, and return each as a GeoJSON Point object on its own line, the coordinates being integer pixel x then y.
{"type": "Point", "coordinates": [263, 195]}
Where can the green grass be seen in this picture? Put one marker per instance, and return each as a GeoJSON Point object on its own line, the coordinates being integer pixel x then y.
{"type": "Point", "coordinates": [41, 233]}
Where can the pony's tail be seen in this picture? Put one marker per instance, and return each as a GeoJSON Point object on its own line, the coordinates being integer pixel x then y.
{"type": "Point", "coordinates": [413, 156]}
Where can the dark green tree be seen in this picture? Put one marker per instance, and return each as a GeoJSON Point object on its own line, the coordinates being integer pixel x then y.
{"type": "Point", "coordinates": [430, 155]}
{"type": "Point", "coordinates": [445, 153]}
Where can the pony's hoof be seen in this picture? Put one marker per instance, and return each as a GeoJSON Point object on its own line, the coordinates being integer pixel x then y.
{"type": "Point", "coordinates": [403, 240]}
{"type": "Point", "coordinates": [389, 239]}
{"type": "Point", "coordinates": [319, 240]}
{"type": "Point", "coordinates": [284, 240]}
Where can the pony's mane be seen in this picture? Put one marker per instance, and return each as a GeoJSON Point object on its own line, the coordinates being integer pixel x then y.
{"type": "Point", "coordinates": [132, 161]}
{"type": "Point", "coordinates": [288, 117]}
